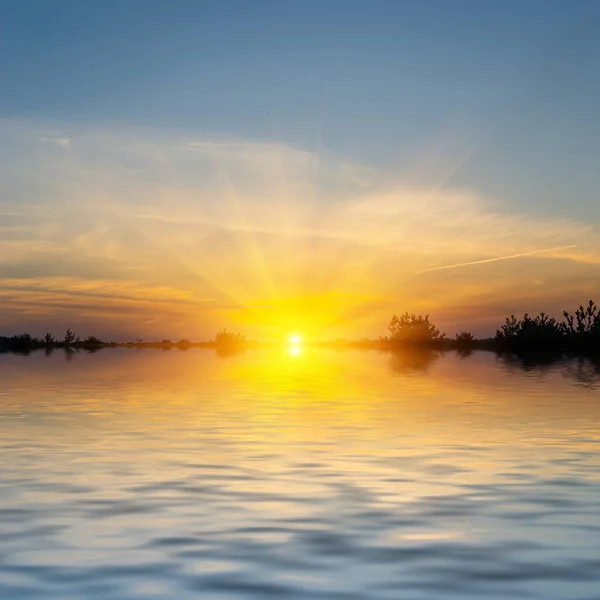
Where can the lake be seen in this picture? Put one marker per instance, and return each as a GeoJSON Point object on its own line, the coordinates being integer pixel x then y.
{"type": "Point", "coordinates": [298, 473]}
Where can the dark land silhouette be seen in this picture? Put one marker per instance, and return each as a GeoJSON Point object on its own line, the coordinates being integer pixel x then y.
{"type": "Point", "coordinates": [537, 339]}
{"type": "Point", "coordinates": [225, 343]}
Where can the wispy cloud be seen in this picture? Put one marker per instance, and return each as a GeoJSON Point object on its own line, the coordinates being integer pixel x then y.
{"type": "Point", "coordinates": [498, 258]}
{"type": "Point", "coordinates": [63, 142]}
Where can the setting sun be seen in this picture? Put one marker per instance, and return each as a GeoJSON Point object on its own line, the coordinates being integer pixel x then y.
{"type": "Point", "coordinates": [295, 339]}
{"type": "Point", "coordinates": [295, 350]}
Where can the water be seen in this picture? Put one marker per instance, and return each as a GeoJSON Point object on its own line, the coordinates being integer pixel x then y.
{"type": "Point", "coordinates": [297, 473]}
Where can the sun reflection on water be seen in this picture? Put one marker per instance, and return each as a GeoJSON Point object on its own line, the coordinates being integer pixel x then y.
{"type": "Point", "coordinates": [295, 350]}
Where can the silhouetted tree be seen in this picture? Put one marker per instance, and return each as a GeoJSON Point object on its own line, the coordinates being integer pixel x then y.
{"type": "Point", "coordinates": [409, 327]}
{"type": "Point", "coordinates": [227, 338]}
{"type": "Point", "coordinates": [70, 338]}
{"type": "Point", "coordinates": [585, 321]}
{"type": "Point", "coordinates": [464, 342]}
{"type": "Point", "coordinates": [22, 343]}
{"type": "Point", "coordinates": [532, 332]}
{"type": "Point", "coordinates": [577, 332]}
{"type": "Point", "coordinates": [464, 337]}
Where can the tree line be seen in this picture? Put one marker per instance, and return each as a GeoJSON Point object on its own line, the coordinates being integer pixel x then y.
{"type": "Point", "coordinates": [25, 341]}
{"type": "Point", "coordinates": [225, 342]}
{"type": "Point", "coordinates": [579, 330]}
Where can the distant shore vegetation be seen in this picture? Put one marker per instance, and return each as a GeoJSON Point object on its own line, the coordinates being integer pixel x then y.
{"type": "Point", "coordinates": [577, 332]}
{"type": "Point", "coordinates": [225, 342]}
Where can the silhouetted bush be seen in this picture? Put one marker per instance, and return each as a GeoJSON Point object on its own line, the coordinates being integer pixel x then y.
{"type": "Point", "coordinates": [70, 338]}
{"type": "Point", "coordinates": [578, 331]}
{"type": "Point", "coordinates": [22, 342]}
{"type": "Point", "coordinates": [412, 328]}
{"type": "Point", "coordinates": [530, 332]}
{"type": "Point", "coordinates": [464, 338]}
{"type": "Point", "coordinates": [464, 343]}
{"type": "Point", "coordinates": [227, 338]}
{"type": "Point", "coordinates": [585, 323]}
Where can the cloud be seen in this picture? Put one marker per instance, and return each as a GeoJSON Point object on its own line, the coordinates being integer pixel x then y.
{"type": "Point", "coordinates": [498, 258]}
{"type": "Point", "coordinates": [265, 232]}
{"type": "Point", "coordinates": [63, 142]}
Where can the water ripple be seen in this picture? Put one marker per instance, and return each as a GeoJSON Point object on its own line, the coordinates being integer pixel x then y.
{"type": "Point", "coordinates": [379, 486]}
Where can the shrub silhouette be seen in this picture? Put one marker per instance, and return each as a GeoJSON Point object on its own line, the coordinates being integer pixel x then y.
{"type": "Point", "coordinates": [70, 338]}
{"type": "Point", "coordinates": [22, 342]}
{"type": "Point", "coordinates": [464, 338]}
{"type": "Point", "coordinates": [530, 331]}
{"type": "Point", "coordinates": [464, 341]}
{"type": "Point", "coordinates": [227, 338]}
{"type": "Point", "coordinates": [543, 332]}
{"type": "Point", "coordinates": [585, 321]}
{"type": "Point", "coordinates": [409, 327]}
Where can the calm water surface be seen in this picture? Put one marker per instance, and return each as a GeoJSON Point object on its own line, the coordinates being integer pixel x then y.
{"type": "Point", "coordinates": [297, 473]}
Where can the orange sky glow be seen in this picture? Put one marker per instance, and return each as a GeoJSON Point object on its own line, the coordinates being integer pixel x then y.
{"type": "Point", "coordinates": [150, 234]}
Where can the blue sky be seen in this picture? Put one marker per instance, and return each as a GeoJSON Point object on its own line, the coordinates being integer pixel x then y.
{"type": "Point", "coordinates": [493, 99]}
{"type": "Point", "coordinates": [384, 82]}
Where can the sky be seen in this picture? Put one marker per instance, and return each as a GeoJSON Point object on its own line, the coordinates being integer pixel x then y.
{"type": "Point", "coordinates": [171, 168]}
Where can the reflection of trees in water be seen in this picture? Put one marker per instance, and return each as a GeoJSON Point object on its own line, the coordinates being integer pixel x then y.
{"type": "Point", "coordinates": [93, 349]}
{"type": "Point", "coordinates": [586, 370]}
{"type": "Point", "coordinates": [412, 360]}
{"type": "Point", "coordinates": [226, 351]}
{"type": "Point", "coordinates": [464, 352]}
{"type": "Point", "coordinates": [70, 352]}
{"type": "Point", "coordinates": [526, 361]}
{"type": "Point", "coordinates": [583, 369]}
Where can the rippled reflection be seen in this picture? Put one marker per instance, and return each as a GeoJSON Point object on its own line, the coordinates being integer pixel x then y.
{"type": "Point", "coordinates": [298, 473]}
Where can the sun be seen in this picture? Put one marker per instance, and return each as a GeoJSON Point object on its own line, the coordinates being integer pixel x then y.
{"type": "Point", "coordinates": [295, 350]}
{"type": "Point", "coordinates": [295, 339]}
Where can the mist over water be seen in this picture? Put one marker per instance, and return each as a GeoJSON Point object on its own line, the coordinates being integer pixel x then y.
{"type": "Point", "coordinates": [298, 473]}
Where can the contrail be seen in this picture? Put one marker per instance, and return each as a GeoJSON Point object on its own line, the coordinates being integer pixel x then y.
{"type": "Point", "coordinates": [497, 258]}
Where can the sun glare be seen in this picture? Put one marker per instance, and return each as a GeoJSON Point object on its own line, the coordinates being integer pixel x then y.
{"type": "Point", "coordinates": [295, 339]}
{"type": "Point", "coordinates": [295, 350]}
